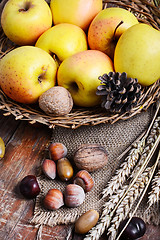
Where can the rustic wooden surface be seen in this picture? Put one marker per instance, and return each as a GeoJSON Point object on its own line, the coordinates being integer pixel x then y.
{"type": "Point", "coordinates": [25, 145]}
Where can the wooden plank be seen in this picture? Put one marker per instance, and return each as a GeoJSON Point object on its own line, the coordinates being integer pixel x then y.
{"type": "Point", "coordinates": [8, 126]}
{"type": "Point", "coordinates": [25, 146]}
{"type": "Point", "coordinates": [25, 149]}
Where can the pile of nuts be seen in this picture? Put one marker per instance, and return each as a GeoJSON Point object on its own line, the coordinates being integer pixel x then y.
{"type": "Point", "coordinates": [87, 158]}
{"type": "Point", "coordinates": [74, 193]}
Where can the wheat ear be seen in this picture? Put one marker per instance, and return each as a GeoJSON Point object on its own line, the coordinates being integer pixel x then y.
{"type": "Point", "coordinates": [109, 207]}
{"type": "Point", "coordinates": [128, 202]}
{"type": "Point", "coordinates": [155, 132]}
{"type": "Point", "coordinates": [129, 163]}
{"type": "Point", "coordinates": [140, 200]}
{"type": "Point", "coordinates": [105, 220]}
{"type": "Point", "coordinates": [106, 216]}
{"type": "Point", "coordinates": [154, 194]}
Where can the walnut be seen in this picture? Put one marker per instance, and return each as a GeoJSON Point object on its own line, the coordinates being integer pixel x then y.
{"type": "Point", "coordinates": [56, 101]}
{"type": "Point", "coordinates": [90, 157]}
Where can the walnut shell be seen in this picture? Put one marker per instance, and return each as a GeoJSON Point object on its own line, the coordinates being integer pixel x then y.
{"type": "Point", "coordinates": [56, 101]}
{"type": "Point", "coordinates": [90, 157]}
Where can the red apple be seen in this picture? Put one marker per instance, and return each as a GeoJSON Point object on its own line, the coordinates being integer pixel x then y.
{"type": "Point", "coordinates": [107, 27]}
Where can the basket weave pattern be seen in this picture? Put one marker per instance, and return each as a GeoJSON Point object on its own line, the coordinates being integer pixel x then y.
{"type": "Point", "coordinates": [146, 12]}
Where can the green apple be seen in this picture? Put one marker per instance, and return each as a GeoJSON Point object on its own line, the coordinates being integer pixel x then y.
{"type": "Point", "coordinates": [27, 72]}
{"type": "Point", "coordinates": [78, 12]}
{"type": "Point", "coordinates": [138, 54]}
{"type": "Point", "coordinates": [79, 74]}
{"type": "Point", "coordinates": [107, 27]}
{"type": "Point", "coordinates": [63, 40]}
{"type": "Point", "coordinates": [23, 21]}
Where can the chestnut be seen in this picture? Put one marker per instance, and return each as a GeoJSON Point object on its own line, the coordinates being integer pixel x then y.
{"type": "Point", "coordinates": [86, 221]}
{"type": "Point", "coordinates": [85, 180]}
{"type": "Point", "coordinates": [53, 199]}
{"type": "Point", "coordinates": [74, 195]}
{"type": "Point", "coordinates": [57, 151]}
{"type": "Point", "coordinates": [49, 168]}
{"type": "Point", "coordinates": [64, 169]}
{"type": "Point", "coordinates": [135, 229]}
{"type": "Point", "coordinates": [29, 187]}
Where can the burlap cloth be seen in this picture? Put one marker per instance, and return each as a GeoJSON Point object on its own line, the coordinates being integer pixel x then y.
{"type": "Point", "coordinates": [115, 138]}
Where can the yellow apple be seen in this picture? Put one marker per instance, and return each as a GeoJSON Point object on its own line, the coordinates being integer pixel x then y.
{"type": "Point", "coordinates": [78, 12]}
{"type": "Point", "coordinates": [27, 72]}
{"type": "Point", "coordinates": [138, 54]}
{"type": "Point", "coordinates": [63, 40]}
{"type": "Point", "coordinates": [106, 28]}
{"type": "Point", "coordinates": [79, 74]}
{"type": "Point", "coordinates": [24, 21]}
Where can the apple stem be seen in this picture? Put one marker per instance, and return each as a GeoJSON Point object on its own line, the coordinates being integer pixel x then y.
{"type": "Point", "coordinates": [120, 23]}
{"type": "Point", "coordinates": [26, 7]}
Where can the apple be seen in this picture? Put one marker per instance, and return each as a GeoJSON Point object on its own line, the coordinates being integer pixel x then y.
{"type": "Point", "coordinates": [63, 40]}
{"type": "Point", "coordinates": [78, 12]}
{"type": "Point", "coordinates": [79, 75]}
{"type": "Point", "coordinates": [24, 21]}
{"type": "Point", "coordinates": [27, 72]}
{"type": "Point", "coordinates": [138, 54]}
{"type": "Point", "coordinates": [106, 28]}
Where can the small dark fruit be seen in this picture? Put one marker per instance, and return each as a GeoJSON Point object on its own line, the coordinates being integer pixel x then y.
{"type": "Point", "coordinates": [29, 187]}
{"type": "Point", "coordinates": [135, 229]}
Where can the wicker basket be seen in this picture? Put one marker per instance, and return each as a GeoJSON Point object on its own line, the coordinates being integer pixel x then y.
{"type": "Point", "coordinates": [145, 11]}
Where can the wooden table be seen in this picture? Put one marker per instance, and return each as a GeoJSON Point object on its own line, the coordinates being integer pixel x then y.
{"type": "Point", "coordinates": [25, 145]}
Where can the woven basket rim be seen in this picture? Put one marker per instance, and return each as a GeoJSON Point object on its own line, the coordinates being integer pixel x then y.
{"type": "Point", "coordinates": [145, 12]}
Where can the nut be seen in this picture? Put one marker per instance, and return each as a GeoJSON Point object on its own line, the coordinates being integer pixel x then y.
{"type": "Point", "coordinates": [53, 199]}
{"type": "Point", "coordinates": [64, 169]}
{"type": "Point", "coordinates": [86, 221]}
{"type": "Point", "coordinates": [85, 180]}
{"type": "Point", "coordinates": [49, 168]}
{"type": "Point", "coordinates": [56, 101]}
{"type": "Point", "coordinates": [57, 151]}
{"type": "Point", "coordinates": [74, 195]}
{"type": "Point", "coordinates": [90, 157]}
{"type": "Point", "coordinates": [29, 187]}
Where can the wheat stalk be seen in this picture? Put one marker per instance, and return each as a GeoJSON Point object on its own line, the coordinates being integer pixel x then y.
{"type": "Point", "coordinates": [115, 200]}
{"type": "Point", "coordinates": [125, 168]}
{"type": "Point", "coordinates": [154, 194]}
{"type": "Point", "coordinates": [154, 134]}
{"type": "Point", "coordinates": [106, 216]}
{"type": "Point", "coordinates": [105, 220]}
{"type": "Point", "coordinates": [128, 202]}
{"type": "Point", "coordinates": [132, 214]}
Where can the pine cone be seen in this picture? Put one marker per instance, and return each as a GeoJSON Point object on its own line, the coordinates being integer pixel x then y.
{"type": "Point", "coordinates": [119, 93]}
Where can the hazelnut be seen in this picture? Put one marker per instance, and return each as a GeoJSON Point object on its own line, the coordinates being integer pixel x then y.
{"type": "Point", "coordinates": [64, 169]}
{"type": "Point", "coordinates": [57, 151]}
{"type": "Point", "coordinates": [90, 157]}
{"type": "Point", "coordinates": [74, 195]}
{"type": "Point", "coordinates": [53, 199]}
{"type": "Point", "coordinates": [56, 101]}
{"type": "Point", "coordinates": [49, 168]}
{"type": "Point", "coordinates": [86, 221]}
{"type": "Point", "coordinates": [85, 180]}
